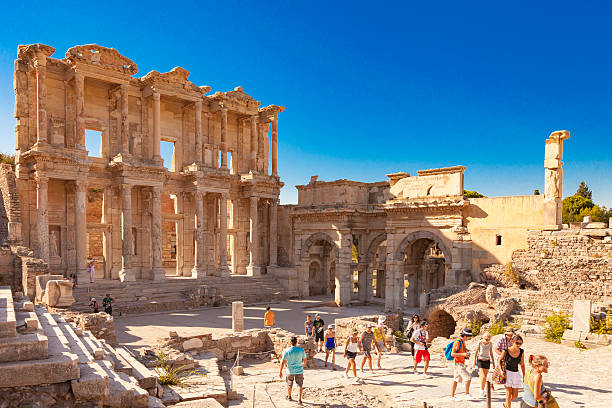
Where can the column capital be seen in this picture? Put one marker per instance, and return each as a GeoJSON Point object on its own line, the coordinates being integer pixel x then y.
{"type": "Point", "coordinates": [80, 185]}
{"type": "Point", "coordinates": [156, 191]}
{"type": "Point", "coordinates": [156, 96]}
{"type": "Point", "coordinates": [126, 187]}
{"type": "Point", "coordinates": [41, 180]}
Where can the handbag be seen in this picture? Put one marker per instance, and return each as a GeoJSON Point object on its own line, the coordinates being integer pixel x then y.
{"type": "Point", "coordinates": [498, 375]}
{"type": "Point", "coordinates": [551, 402]}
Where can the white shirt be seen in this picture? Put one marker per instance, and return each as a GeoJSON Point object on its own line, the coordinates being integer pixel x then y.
{"type": "Point", "coordinates": [422, 336]}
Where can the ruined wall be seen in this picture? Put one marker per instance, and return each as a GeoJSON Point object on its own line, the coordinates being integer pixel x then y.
{"type": "Point", "coordinates": [507, 217]}
{"type": "Point", "coordinates": [342, 192]}
{"type": "Point", "coordinates": [566, 264]}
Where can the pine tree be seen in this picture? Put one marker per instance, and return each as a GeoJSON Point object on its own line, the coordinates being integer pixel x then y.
{"type": "Point", "coordinates": [583, 191]}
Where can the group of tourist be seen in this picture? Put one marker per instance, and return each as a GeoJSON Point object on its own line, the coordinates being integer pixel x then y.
{"type": "Point", "coordinates": [506, 354]}
{"type": "Point", "coordinates": [107, 303]}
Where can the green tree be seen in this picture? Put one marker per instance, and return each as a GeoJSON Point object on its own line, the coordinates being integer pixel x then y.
{"type": "Point", "coordinates": [536, 192]}
{"type": "Point", "coordinates": [7, 158]}
{"type": "Point", "coordinates": [583, 191]}
{"type": "Point", "coordinates": [472, 194]}
{"type": "Point", "coordinates": [574, 206]}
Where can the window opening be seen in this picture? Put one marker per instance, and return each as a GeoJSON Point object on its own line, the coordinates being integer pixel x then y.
{"type": "Point", "coordinates": [93, 142]}
{"type": "Point", "coordinates": [498, 240]}
{"type": "Point", "coordinates": [355, 281]}
{"type": "Point", "coordinates": [166, 151]}
{"type": "Point", "coordinates": [230, 162]}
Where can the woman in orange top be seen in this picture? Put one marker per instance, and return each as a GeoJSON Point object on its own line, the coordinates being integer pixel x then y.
{"type": "Point", "coordinates": [268, 317]}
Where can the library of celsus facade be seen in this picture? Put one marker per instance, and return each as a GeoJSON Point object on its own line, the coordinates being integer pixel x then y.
{"type": "Point", "coordinates": [220, 192]}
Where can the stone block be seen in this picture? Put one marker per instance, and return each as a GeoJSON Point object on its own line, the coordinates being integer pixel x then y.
{"type": "Point", "coordinates": [31, 323]}
{"type": "Point", "coordinates": [58, 293]}
{"type": "Point", "coordinates": [596, 225]}
{"type": "Point", "coordinates": [155, 402]}
{"type": "Point", "coordinates": [192, 344]}
{"type": "Point", "coordinates": [41, 284]}
{"type": "Point", "coordinates": [237, 316]}
{"type": "Point", "coordinates": [99, 353]}
{"type": "Point", "coordinates": [582, 316]}
{"type": "Point", "coordinates": [28, 306]}
{"type": "Point", "coordinates": [238, 370]}
{"type": "Point", "coordinates": [173, 334]}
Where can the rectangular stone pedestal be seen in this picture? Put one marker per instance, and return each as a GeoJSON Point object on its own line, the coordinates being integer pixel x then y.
{"type": "Point", "coordinates": [582, 316]}
{"type": "Point", "coordinates": [237, 316]}
{"type": "Point", "coordinates": [254, 270]}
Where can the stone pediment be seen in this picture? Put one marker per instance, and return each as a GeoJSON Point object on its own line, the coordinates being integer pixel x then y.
{"type": "Point", "coordinates": [267, 112]}
{"type": "Point", "coordinates": [30, 51]}
{"type": "Point", "coordinates": [176, 77]}
{"type": "Point", "coordinates": [443, 182]}
{"type": "Point", "coordinates": [107, 58]}
{"type": "Point", "coordinates": [237, 96]}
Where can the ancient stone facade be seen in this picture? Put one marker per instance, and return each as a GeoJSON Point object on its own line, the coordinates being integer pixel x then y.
{"type": "Point", "coordinates": [219, 193]}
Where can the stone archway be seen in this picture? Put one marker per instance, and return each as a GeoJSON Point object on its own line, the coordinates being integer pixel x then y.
{"type": "Point", "coordinates": [375, 273]}
{"type": "Point", "coordinates": [441, 324]}
{"type": "Point", "coordinates": [316, 278]}
{"type": "Point", "coordinates": [319, 255]}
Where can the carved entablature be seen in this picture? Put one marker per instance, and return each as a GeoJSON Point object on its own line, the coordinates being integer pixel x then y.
{"type": "Point", "coordinates": [32, 52]}
{"type": "Point", "coordinates": [106, 58]}
{"type": "Point", "coordinates": [176, 78]}
{"type": "Point", "coordinates": [267, 113]}
{"type": "Point", "coordinates": [236, 100]}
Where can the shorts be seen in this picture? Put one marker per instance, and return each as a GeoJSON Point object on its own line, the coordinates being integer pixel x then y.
{"type": "Point", "coordinates": [319, 336]}
{"type": "Point", "coordinates": [461, 374]}
{"type": "Point", "coordinates": [484, 364]}
{"type": "Point", "coordinates": [422, 355]}
{"type": "Point", "coordinates": [350, 354]}
{"type": "Point", "coordinates": [380, 344]}
{"type": "Point", "coordinates": [330, 348]}
{"type": "Point", "coordinates": [367, 352]}
{"type": "Point", "coordinates": [514, 379]}
{"type": "Point", "coordinates": [299, 379]}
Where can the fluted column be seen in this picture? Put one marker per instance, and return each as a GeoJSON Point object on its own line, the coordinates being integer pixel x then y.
{"type": "Point", "coordinates": [42, 217]}
{"type": "Point", "coordinates": [198, 131]}
{"type": "Point", "coordinates": [125, 148]}
{"type": "Point", "coordinates": [79, 93]}
{"type": "Point", "coordinates": [156, 124]}
{"type": "Point", "coordinates": [274, 233]}
{"type": "Point", "coordinates": [41, 99]}
{"type": "Point", "coordinates": [107, 243]}
{"type": "Point", "coordinates": [223, 268]}
{"type": "Point", "coordinates": [253, 269]}
{"type": "Point", "coordinates": [80, 221]}
{"type": "Point", "coordinates": [224, 138]}
{"type": "Point", "coordinates": [275, 146]}
{"type": "Point", "coordinates": [157, 272]}
{"type": "Point", "coordinates": [253, 153]}
{"type": "Point", "coordinates": [126, 274]}
{"type": "Point", "coordinates": [199, 270]}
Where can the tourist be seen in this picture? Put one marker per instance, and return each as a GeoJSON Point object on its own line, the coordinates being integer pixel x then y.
{"type": "Point", "coordinates": [72, 279]}
{"type": "Point", "coordinates": [483, 358]}
{"type": "Point", "coordinates": [308, 326]}
{"type": "Point", "coordinates": [460, 354]}
{"type": "Point", "coordinates": [93, 304]}
{"type": "Point", "coordinates": [365, 345]}
{"type": "Point", "coordinates": [91, 269]}
{"type": "Point", "coordinates": [412, 327]}
{"type": "Point", "coordinates": [330, 345]}
{"type": "Point", "coordinates": [513, 357]}
{"type": "Point", "coordinates": [295, 358]}
{"type": "Point", "coordinates": [420, 338]}
{"type": "Point", "coordinates": [319, 326]}
{"type": "Point", "coordinates": [268, 318]}
{"type": "Point", "coordinates": [533, 381]}
{"type": "Point", "coordinates": [379, 339]}
{"type": "Point", "coordinates": [351, 348]}
{"type": "Point", "coordinates": [503, 343]}
{"type": "Point", "coordinates": [107, 302]}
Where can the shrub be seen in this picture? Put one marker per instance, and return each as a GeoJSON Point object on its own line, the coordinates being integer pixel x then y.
{"type": "Point", "coordinates": [554, 243]}
{"type": "Point", "coordinates": [602, 326]}
{"type": "Point", "coordinates": [216, 303]}
{"type": "Point", "coordinates": [511, 273]}
{"type": "Point", "coordinates": [579, 345]}
{"type": "Point", "coordinates": [169, 375]}
{"type": "Point", "coordinates": [475, 325]}
{"type": "Point", "coordinates": [497, 328]}
{"type": "Point", "coordinates": [400, 337]}
{"type": "Point", "coordinates": [556, 324]}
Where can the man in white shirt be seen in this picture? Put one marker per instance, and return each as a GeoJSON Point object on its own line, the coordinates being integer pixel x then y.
{"type": "Point", "coordinates": [420, 337]}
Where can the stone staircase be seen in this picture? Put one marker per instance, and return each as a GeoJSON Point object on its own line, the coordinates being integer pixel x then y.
{"type": "Point", "coordinates": [38, 347]}
{"type": "Point", "coordinates": [176, 293]}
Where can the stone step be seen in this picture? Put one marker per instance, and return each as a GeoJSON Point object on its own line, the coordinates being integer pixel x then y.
{"type": "Point", "coordinates": [119, 363]}
{"type": "Point", "coordinates": [123, 390]}
{"type": "Point", "coordinates": [145, 377]}
{"type": "Point", "coordinates": [23, 347]}
{"type": "Point", "coordinates": [8, 323]}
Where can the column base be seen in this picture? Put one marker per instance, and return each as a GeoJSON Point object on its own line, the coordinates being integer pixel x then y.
{"type": "Point", "coordinates": [82, 277]}
{"type": "Point", "coordinates": [127, 275]}
{"type": "Point", "coordinates": [158, 274]}
{"type": "Point", "coordinates": [270, 269]}
{"type": "Point", "coordinates": [254, 270]}
{"type": "Point", "coordinates": [198, 272]}
{"type": "Point", "coordinates": [224, 271]}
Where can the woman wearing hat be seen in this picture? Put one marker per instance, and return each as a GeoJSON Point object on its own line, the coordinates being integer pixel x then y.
{"type": "Point", "coordinates": [379, 339]}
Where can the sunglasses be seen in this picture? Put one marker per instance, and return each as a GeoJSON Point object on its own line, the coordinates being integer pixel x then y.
{"type": "Point", "coordinates": [518, 343]}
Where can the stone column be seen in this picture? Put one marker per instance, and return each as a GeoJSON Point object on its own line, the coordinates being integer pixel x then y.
{"type": "Point", "coordinates": [156, 124]}
{"type": "Point", "coordinates": [274, 233]}
{"type": "Point", "coordinates": [126, 274]}
{"type": "Point", "coordinates": [275, 146]}
{"type": "Point", "coordinates": [253, 155]}
{"type": "Point", "coordinates": [157, 272]}
{"type": "Point", "coordinates": [80, 221]}
{"type": "Point", "coordinates": [107, 244]}
{"type": "Point", "coordinates": [125, 148]}
{"type": "Point", "coordinates": [41, 99]}
{"type": "Point", "coordinates": [237, 316]}
{"type": "Point", "coordinates": [363, 284]}
{"type": "Point", "coordinates": [199, 270]}
{"type": "Point", "coordinates": [42, 217]}
{"type": "Point", "coordinates": [224, 138]}
{"type": "Point", "coordinates": [223, 268]}
{"type": "Point", "coordinates": [253, 269]}
{"type": "Point", "coordinates": [79, 93]}
{"type": "Point", "coordinates": [344, 288]}
{"type": "Point", "coordinates": [198, 131]}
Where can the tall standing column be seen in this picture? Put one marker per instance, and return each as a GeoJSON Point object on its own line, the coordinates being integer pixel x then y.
{"type": "Point", "coordinates": [253, 155]}
{"type": "Point", "coordinates": [253, 269]}
{"type": "Point", "coordinates": [79, 93]}
{"type": "Point", "coordinates": [198, 132]}
{"type": "Point", "coordinates": [125, 148]}
{"type": "Point", "coordinates": [157, 272]}
{"type": "Point", "coordinates": [80, 221]}
{"type": "Point", "coordinates": [156, 124]}
{"type": "Point", "coordinates": [275, 146]}
{"type": "Point", "coordinates": [224, 271]}
{"type": "Point", "coordinates": [41, 99]}
{"type": "Point", "coordinates": [274, 233]}
{"type": "Point", "coordinates": [199, 270]}
{"type": "Point", "coordinates": [107, 243]}
{"type": "Point", "coordinates": [224, 138]}
{"type": "Point", "coordinates": [126, 274]}
{"type": "Point", "coordinates": [42, 217]}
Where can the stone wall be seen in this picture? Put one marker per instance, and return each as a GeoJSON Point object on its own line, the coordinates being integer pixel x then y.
{"type": "Point", "coordinates": [30, 268]}
{"type": "Point", "coordinates": [101, 325]}
{"type": "Point", "coordinates": [345, 326]}
{"type": "Point", "coordinates": [571, 263]}
{"type": "Point", "coordinates": [10, 212]}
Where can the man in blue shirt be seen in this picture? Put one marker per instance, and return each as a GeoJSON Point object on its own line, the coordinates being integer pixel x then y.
{"type": "Point", "coordinates": [294, 357]}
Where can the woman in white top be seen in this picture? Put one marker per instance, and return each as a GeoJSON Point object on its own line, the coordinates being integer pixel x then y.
{"type": "Point", "coordinates": [415, 324]}
{"type": "Point", "coordinates": [351, 349]}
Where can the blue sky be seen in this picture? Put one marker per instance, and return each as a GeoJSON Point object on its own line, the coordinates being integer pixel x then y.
{"type": "Point", "coordinates": [373, 88]}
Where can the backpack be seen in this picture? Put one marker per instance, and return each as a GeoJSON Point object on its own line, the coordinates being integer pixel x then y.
{"type": "Point", "coordinates": [449, 350]}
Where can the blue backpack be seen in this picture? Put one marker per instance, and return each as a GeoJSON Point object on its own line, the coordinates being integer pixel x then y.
{"type": "Point", "coordinates": [449, 350]}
